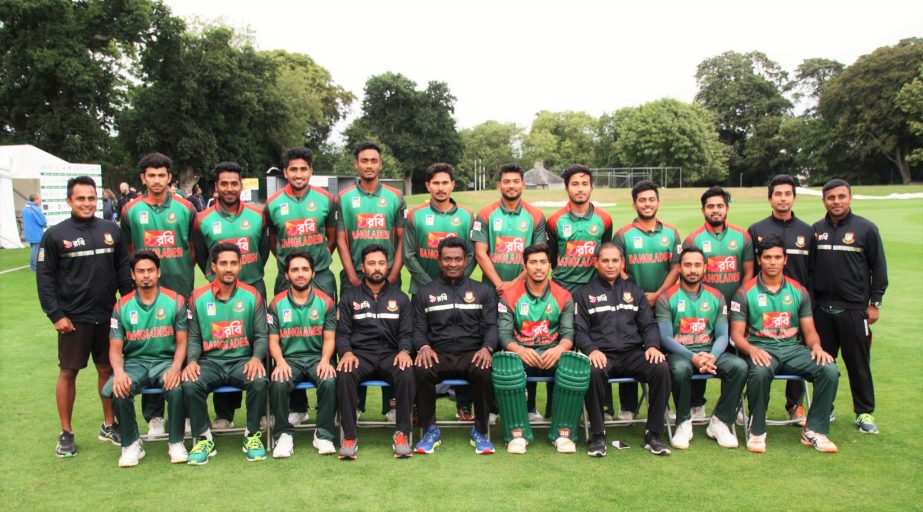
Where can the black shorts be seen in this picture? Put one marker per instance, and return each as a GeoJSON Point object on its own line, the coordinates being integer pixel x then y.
{"type": "Point", "coordinates": [75, 348]}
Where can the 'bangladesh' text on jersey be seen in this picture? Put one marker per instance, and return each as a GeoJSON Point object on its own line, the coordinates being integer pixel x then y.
{"type": "Point", "coordinates": [226, 327]}
{"type": "Point", "coordinates": [148, 331]}
{"type": "Point", "coordinates": [575, 239]}
{"type": "Point", "coordinates": [427, 226]}
{"type": "Point", "coordinates": [243, 228]}
{"type": "Point", "coordinates": [300, 224]}
{"type": "Point", "coordinates": [773, 319]}
{"type": "Point", "coordinates": [693, 317]}
{"type": "Point", "coordinates": [648, 254]}
{"type": "Point", "coordinates": [166, 229]}
{"type": "Point", "coordinates": [508, 233]}
{"type": "Point", "coordinates": [301, 326]}
{"type": "Point", "coordinates": [725, 254]}
{"type": "Point", "coordinates": [371, 218]}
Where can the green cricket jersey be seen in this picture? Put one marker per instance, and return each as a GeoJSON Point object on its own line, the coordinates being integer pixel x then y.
{"type": "Point", "coordinates": [301, 326]}
{"type": "Point", "coordinates": [371, 218]}
{"type": "Point", "coordinates": [648, 254]}
{"type": "Point", "coordinates": [772, 318]}
{"type": "Point", "coordinates": [427, 226]}
{"type": "Point", "coordinates": [167, 230]}
{"type": "Point", "coordinates": [507, 233]}
{"type": "Point", "coordinates": [693, 317]}
{"type": "Point", "coordinates": [574, 240]}
{"type": "Point", "coordinates": [300, 224]}
{"type": "Point", "coordinates": [244, 228]}
{"type": "Point", "coordinates": [539, 323]}
{"type": "Point", "coordinates": [148, 331]}
{"type": "Point", "coordinates": [226, 329]}
{"type": "Point", "coordinates": [725, 254]}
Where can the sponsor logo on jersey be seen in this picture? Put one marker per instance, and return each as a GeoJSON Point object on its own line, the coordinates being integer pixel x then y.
{"type": "Point", "coordinates": [41, 254]}
{"type": "Point", "coordinates": [799, 242]}
{"type": "Point", "coordinates": [361, 305]}
{"type": "Point", "coordinates": [107, 239]}
{"type": "Point", "coordinates": [434, 237]}
{"type": "Point", "coordinates": [777, 320]}
{"type": "Point", "coordinates": [160, 314]}
{"type": "Point", "coordinates": [469, 296]}
{"type": "Point", "coordinates": [822, 236]}
{"type": "Point", "coordinates": [580, 248]}
{"type": "Point", "coordinates": [245, 224]}
{"type": "Point", "coordinates": [371, 220]}
{"type": "Point", "coordinates": [732, 244]}
{"type": "Point", "coordinates": [286, 315]}
{"type": "Point", "coordinates": [692, 325]}
{"type": "Point", "coordinates": [722, 264]}
{"type": "Point", "coordinates": [133, 317]}
{"type": "Point", "coordinates": [627, 298]}
{"type": "Point", "coordinates": [455, 221]}
{"type": "Point", "coordinates": [216, 228]}
{"type": "Point", "coordinates": [159, 238]}
{"type": "Point", "coordinates": [681, 306]}
{"type": "Point", "coordinates": [498, 224]}
{"type": "Point", "coordinates": [564, 432]}
{"type": "Point", "coordinates": [269, 319]}
{"type": "Point", "coordinates": [313, 315]}
{"type": "Point", "coordinates": [706, 246]}
{"type": "Point", "coordinates": [539, 328]}
{"type": "Point", "coordinates": [300, 227]}
{"type": "Point", "coordinates": [243, 243]}
{"type": "Point", "coordinates": [113, 323]}
{"type": "Point", "coordinates": [392, 306]}
{"type": "Point", "coordinates": [210, 309]}
{"type": "Point", "coordinates": [598, 298]}
{"type": "Point", "coordinates": [438, 298]}
{"type": "Point", "coordinates": [515, 244]}
{"type": "Point", "coordinates": [239, 306]}
{"type": "Point", "coordinates": [171, 218]}
{"type": "Point", "coordinates": [80, 242]}
{"type": "Point", "coordinates": [849, 238]}
{"type": "Point", "coordinates": [311, 206]}
{"type": "Point", "coordinates": [524, 309]}
{"type": "Point", "coordinates": [735, 306]}
{"type": "Point", "coordinates": [227, 329]}
{"type": "Point", "coordinates": [477, 225]}
{"type": "Point", "coordinates": [566, 230]}
{"type": "Point", "coordinates": [704, 306]}
{"type": "Point", "coordinates": [283, 208]}
{"type": "Point", "coordinates": [430, 220]}
{"type": "Point", "coordinates": [356, 202]}
{"type": "Point", "coordinates": [638, 242]}
{"type": "Point", "coordinates": [501, 308]}
{"type": "Point", "coordinates": [761, 300]}
{"type": "Point", "coordinates": [143, 217]}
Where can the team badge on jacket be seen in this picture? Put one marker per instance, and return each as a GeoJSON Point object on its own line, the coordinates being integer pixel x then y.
{"type": "Point", "coordinates": [799, 242]}
{"type": "Point", "coordinates": [107, 238]}
{"type": "Point", "coordinates": [627, 298]}
{"type": "Point", "coordinates": [392, 305]}
{"type": "Point", "coordinates": [849, 238]}
{"type": "Point", "coordinates": [469, 296]}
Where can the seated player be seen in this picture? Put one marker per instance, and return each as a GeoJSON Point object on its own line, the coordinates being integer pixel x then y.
{"type": "Point", "coordinates": [769, 316]}
{"type": "Point", "coordinates": [302, 327]}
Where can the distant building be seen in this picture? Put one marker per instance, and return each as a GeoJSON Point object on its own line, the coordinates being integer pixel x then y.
{"type": "Point", "coordinates": [540, 178]}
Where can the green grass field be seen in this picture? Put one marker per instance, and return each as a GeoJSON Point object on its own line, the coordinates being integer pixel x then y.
{"type": "Point", "coordinates": [869, 473]}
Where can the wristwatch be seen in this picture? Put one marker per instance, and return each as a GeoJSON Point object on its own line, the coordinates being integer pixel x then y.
{"type": "Point", "coordinates": [876, 305]}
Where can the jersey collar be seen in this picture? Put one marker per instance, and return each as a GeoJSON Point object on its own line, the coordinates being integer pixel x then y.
{"type": "Point", "coordinates": [516, 211]}
{"type": "Point", "coordinates": [762, 286]}
{"type": "Point", "coordinates": [290, 192]}
{"type": "Point", "coordinates": [166, 201]}
{"type": "Point", "coordinates": [576, 216]}
{"type": "Point", "coordinates": [544, 294]}
{"type": "Point", "coordinates": [307, 302]}
{"type": "Point", "coordinates": [781, 222]}
{"type": "Point", "coordinates": [224, 213]}
{"type": "Point", "coordinates": [374, 193]}
{"type": "Point", "coordinates": [658, 226]}
{"type": "Point", "coordinates": [216, 287]}
{"type": "Point", "coordinates": [147, 307]}
{"type": "Point", "coordinates": [450, 211]}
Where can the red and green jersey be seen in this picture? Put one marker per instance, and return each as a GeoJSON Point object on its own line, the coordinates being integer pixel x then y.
{"type": "Point", "coordinates": [725, 254]}
{"type": "Point", "coordinates": [537, 322]}
{"type": "Point", "coordinates": [693, 317]}
{"type": "Point", "coordinates": [370, 218]}
{"type": "Point", "coordinates": [148, 331]}
{"type": "Point", "coordinates": [167, 230]}
{"type": "Point", "coordinates": [244, 228]}
{"type": "Point", "coordinates": [426, 227]}
{"type": "Point", "coordinates": [507, 233]}
{"type": "Point", "coordinates": [773, 319]}
{"type": "Point", "coordinates": [299, 223]}
{"type": "Point", "coordinates": [574, 240]}
{"type": "Point", "coordinates": [301, 326]}
{"type": "Point", "coordinates": [227, 329]}
{"type": "Point", "coordinates": [648, 254]}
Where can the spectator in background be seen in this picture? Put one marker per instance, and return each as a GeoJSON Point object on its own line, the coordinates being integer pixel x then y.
{"type": "Point", "coordinates": [126, 194]}
{"type": "Point", "coordinates": [196, 198]}
{"type": "Point", "coordinates": [110, 206]}
{"type": "Point", "coordinates": [33, 226]}
{"type": "Point", "coordinates": [213, 199]}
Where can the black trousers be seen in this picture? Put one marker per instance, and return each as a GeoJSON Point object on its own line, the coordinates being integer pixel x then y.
{"type": "Point", "coordinates": [849, 331]}
{"type": "Point", "coordinates": [371, 366]}
{"type": "Point", "coordinates": [629, 364]}
{"type": "Point", "coordinates": [458, 366]}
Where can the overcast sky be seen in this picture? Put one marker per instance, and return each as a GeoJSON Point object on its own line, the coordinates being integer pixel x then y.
{"type": "Point", "coordinates": [507, 60]}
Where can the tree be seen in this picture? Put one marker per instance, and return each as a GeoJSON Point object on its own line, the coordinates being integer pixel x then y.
{"type": "Point", "coordinates": [811, 78]}
{"type": "Point", "coordinates": [489, 144]}
{"type": "Point", "coordinates": [607, 137]}
{"type": "Point", "coordinates": [910, 101]}
{"type": "Point", "coordinates": [561, 138]}
{"type": "Point", "coordinates": [670, 133]}
{"type": "Point", "coordinates": [861, 107]}
{"type": "Point", "coordinates": [417, 126]}
{"type": "Point", "coordinates": [62, 71]}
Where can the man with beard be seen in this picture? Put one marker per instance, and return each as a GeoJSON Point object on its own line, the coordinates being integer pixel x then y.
{"type": "Point", "coordinates": [651, 248]}
{"type": "Point", "coordinates": [692, 318]}
{"type": "Point", "coordinates": [374, 338]}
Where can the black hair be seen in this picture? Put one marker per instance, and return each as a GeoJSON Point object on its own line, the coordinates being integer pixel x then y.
{"type": "Point", "coordinates": [452, 242]}
{"type": "Point", "coordinates": [535, 249]}
{"type": "Point", "coordinates": [691, 250]}
{"type": "Point", "coordinates": [781, 179]}
{"type": "Point", "coordinates": [298, 154]}
{"type": "Point", "coordinates": [221, 247]}
{"type": "Point", "coordinates": [716, 191]}
{"type": "Point", "coordinates": [768, 242]}
{"type": "Point", "coordinates": [373, 248]}
{"type": "Point", "coordinates": [155, 161]}
{"type": "Point", "coordinates": [227, 167]}
{"type": "Point", "coordinates": [510, 167]}
{"type": "Point", "coordinates": [573, 169]}
{"type": "Point", "coordinates": [143, 254]}
{"type": "Point", "coordinates": [834, 183]}
{"type": "Point", "coordinates": [436, 168]}
{"type": "Point", "coordinates": [298, 254]}
{"type": "Point", "coordinates": [609, 245]}
{"type": "Point", "coordinates": [79, 180]}
{"type": "Point", "coordinates": [366, 145]}
{"type": "Point", "coordinates": [643, 186]}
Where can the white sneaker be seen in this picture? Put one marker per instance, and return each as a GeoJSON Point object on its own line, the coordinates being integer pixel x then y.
{"type": "Point", "coordinates": [565, 445]}
{"type": "Point", "coordinates": [392, 415]}
{"type": "Point", "coordinates": [222, 424]}
{"type": "Point", "coordinates": [741, 417]}
{"type": "Point", "coordinates": [323, 446]}
{"type": "Point", "coordinates": [818, 441]}
{"type": "Point", "coordinates": [757, 444]}
{"type": "Point", "coordinates": [517, 446]}
{"type": "Point", "coordinates": [178, 453]}
{"type": "Point", "coordinates": [626, 415]}
{"type": "Point", "coordinates": [155, 428]}
{"type": "Point", "coordinates": [492, 419]}
{"type": "Point", "coordinates": [285, 446]}
{"type": "Point", "coordinates": [188, 428]}
{"type": "Point", "coordinates": [535, 416]}
{"type": "Point", "coordinates": [720, 432]}
{"type": "Point", "coordinates": [698, 413]}
{"type": "Point", "coordinates": [131, 454]}
{"type": "Point", "coordinates": [297, 418]}
{"type": "Point", "coordinates": [682, 436]}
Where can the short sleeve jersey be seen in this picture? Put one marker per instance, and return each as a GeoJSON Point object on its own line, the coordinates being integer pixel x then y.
{"type": "Point", "coordinates": [507, 233]}
{"type": "Point", "coordinates": [226, 326]}
{"type": "Point", "coordinates": [535, 322]}
{"type": "Point", "coordinates": [148, 331]}
{"type": "Point", "coordinates": [299, 223]}
{"type": "Point", "coordinates": [648, 254]}
{"type": "Point", "coordinates": [725, 254]}
{"type": "Point", "coordinates": [243, 228]}
{"type": "Point", "coordinates": [429, 226]}
{"type": "Point", "coordinates": [301, 326]}
{"type": "Point", "coordinates": [576, 239]}
{"type": "Point", "coordinates": [693, 317]}
{"type": "Point", "coordinates": [370, 218]}
{"type": "Point", "coordinates": [772, 318]}
{"type": "Point", "coordinates": [166, 229]}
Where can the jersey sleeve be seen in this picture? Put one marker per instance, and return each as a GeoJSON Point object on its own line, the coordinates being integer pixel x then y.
{"type": "Point", "coordinates": [194, 341]}
{"type": "Point", "coordinates": [662, 311]}
{"type": "Point", "coordinates": [260, 338]}
{"type": "Point", "coordinates": [739, 307]}
{"type": "Point", "coordinates": [722, 316]}
{"type": "Point", "coordinates": [748, 248]}
{"type": "Point", "coordinates": [330, 220]}
{"type": "Point", "coordinates": [506, 323]}
{"type": "Point", "coordinates": [479, 230]}
{"type": "Point", "coordinates": [410, 246]}
{"type": "Point", "coordinates": [677, 248]}
{"type": "Point", "coordinates": [400, 218]}
{"type": "Point", "coordinates": [804, 309]}
{"type": "Point", "coordinates": [566, 322]}
{"type": "Point", "coordinates": [272, 319]}
{"type": "Point", "coordinates": [330, 317]}
{"type": "Point", "coordinates": [539, 235]}
{"type": "Point", "coordinates": [181, 318]}
{"type": "Point", "coordinates": [116, 331]}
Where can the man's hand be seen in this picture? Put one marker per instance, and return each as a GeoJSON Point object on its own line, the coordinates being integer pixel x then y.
{"type": "Point", "coordinates": [654, 356]}
{"type": "Point", "coordinates": [402, 360]}
{"type": "Point", "coordinates": [426, 357]}
{"type": "Point", "coordinates": [652, 298]}
{"type": "Point", "coordinates": [325, 370]}
{"type": "Point", "coordinates": [482, 359]}
{"type": "Point", "coordinates": [64, 326]}
{"type": "Point", "coordinates": [819, 356]}
{"type": "Point", "coordinates": [503, 286]}
{"type": "Point", "coordinates": [550, 357]}
{"type": "Point", "coordinates": [354, 280]}
{"type": "Point", "coordinates": [598, 359]}
{"type": "Point", "coordinates": [191, 373]}
{"type": "Point", "coordinates": [529, 357]}
{"type": "Point", "coordinates": [172, 378]}
{"type": "Point", "coordinates": [704, 362]}
{"type": "Point", "coordinates": [254, 369]}
{"type": "Point", "coordinates": [872, 312]}
{"type": "Point", "coordinates": [282, 372]}
{"type": "Point", "coordinates": [760, 357]}
{"type": "Point", "coordinates": [121, 384]}
{"type": "Point", "coordinates": [348, 363]}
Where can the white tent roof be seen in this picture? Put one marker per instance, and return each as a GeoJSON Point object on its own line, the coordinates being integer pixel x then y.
{"type": "Point", "coordinates": [25, 161]}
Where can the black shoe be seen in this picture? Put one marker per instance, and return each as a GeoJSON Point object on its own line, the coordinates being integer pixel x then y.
{"type": "Point", "coordinates": [66, 446]}
{"type": "Point", "coordinates": [597, 446]}
{"type": "Point", "coordinates": [110, 433]}
{"type": "Point", "coordinates": [653, 443]}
